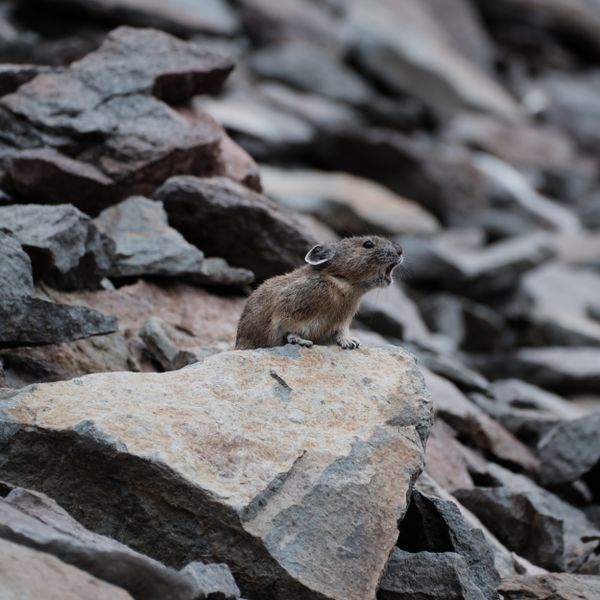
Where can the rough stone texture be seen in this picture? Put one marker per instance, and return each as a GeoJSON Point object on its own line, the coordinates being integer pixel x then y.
{"type": "Point", "coordinates": [155, 334]}
{"type": "Point", "coordinates": [177, 16]}
{"type": "Point", "coordinates": [144, 242]}
{"type": "Point", "coordinates": [553, 586]}
{"type": "Point", "coordinates": [531, 521]}
{"type": "Point", "coordinates": [556, 300]}
{"type": "Point", "coordinates": [262, 466]}
{"type": "Point", "coordinates": [34, 520]}
{"type": "Point", "coordinates": [45, 174]}
{"type": "Point", "coordinates": [109, 109]}
{"type": "Point", "coordinates": [482, 431]}
{"type": "Point", "coordinates": [28, 574]}
{"type": "Point", "coordinates": [558, 369]}
{"type": "Point", "coordinates": [34, 322]}
{"type": "Point", "coordinates": [16, 279]}
{"type": "Point", "coordinates": [435, 530]}
{"type": "Point", "coordinates": [218, 272]}
{"type": "Point", "coordinates": [571, 450]}
{"type": "Point", "coordinates": [350, 205]}
{"type": "Point", "coordinates": [226, 219]}
{"type": "Point", "coordinates": [476, 272]}
{"type": "Point", "coordinates": [65, 248]}
{"type": "Point", "coordinates": [306, 67]}
{"type": "Point", "coordinates": [401, 44]}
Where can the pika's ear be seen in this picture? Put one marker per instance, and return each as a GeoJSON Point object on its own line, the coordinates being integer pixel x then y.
{"type": "Point", "coordinates": [319, 255]}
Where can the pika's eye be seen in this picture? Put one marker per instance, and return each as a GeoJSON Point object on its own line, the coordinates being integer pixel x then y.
{"type": "Point", "coordinates": [368, 244]}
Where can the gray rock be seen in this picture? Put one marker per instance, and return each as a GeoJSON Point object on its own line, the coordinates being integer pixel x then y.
{"type": "Point", "coordinates": [571, 450]}
{"type": "Point", "coordinates": [348, 204]}
{"type": "Point", "coordinates": [65, 248]}
{"type": "Point", "coordinates": [455, 370]}
{"type": "Point", "coordinates": [218, 272]}
{"type": "Point", "coordinates": [16, 279]}
{"type": "Point", "coordinates": [476, 272]}
{"type": "Point", "coordinates": [28, 574]}
{"type": "Point", "coordinates": [304, 66]}
{"type": "Point", "coordinates": [478, 428]}
{"type": "Point", "coordinates": [558, 369]}
{"type": "Point", "coordinates": [531, 521]}
{"type": "Point", "coordinates": [32, 519]}
{"type": "Point", "coordinates": [252, 480]}
{"type": "Point", "coordinates": [392, 313]}
{"type": "Point", "coordinates": [471, 326]}
{"type": "Point", "coordinates": [428, 575]}
{"type": "Point", "coordinates": [405, 47]}
{"type": "Point", "coordinates": [161, 348]}
{"type": "Point", "coordinates": [227, 220]}
{"type": "Point", "coordinates": [555, 586]}
{"type": "Point", "coordinates": [109, 108]}
{"type": "Point", "coordinates": [144, 242]}
{"type": "Point", "coordinates": [177, 16]}
{"type": "Point", "coordinates": [435, 524]}
{"type": "Point", "coordinates": [555, 300]}
{"type": "Point", "coordinates": [33, 322]}
{"type": "Point", "coordinates": [213, 582]}
{"type": "Point", "coordinates": [572, 104]}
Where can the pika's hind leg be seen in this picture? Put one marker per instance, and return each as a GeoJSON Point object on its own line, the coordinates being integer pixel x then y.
{"type": "Point", "coordinates": [292, 338]}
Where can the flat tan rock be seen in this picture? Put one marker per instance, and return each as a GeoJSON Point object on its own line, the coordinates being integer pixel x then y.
{"type": "Point", "coordinates": [291, 465]}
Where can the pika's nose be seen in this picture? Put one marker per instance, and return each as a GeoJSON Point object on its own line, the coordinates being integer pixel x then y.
{"type": "Point", "coordinates": [398, 248]}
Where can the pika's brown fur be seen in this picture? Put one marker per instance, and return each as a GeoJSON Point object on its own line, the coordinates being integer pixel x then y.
{"type": "Point", "coordinates": [316, 302]}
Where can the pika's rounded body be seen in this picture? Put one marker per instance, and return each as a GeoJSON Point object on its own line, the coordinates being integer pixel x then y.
{"type": "Point", "coordinates": [316, 303]}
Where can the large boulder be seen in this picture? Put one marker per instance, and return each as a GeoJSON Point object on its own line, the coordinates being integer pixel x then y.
{"type": "Point", "coordinates": [225, 219]}
{"type": "Point", "coordinates": [65, 248]}
{"type": "Point", "coordinates": [554, 586]}
{"type": "Point", "coordinates": [244, 458]}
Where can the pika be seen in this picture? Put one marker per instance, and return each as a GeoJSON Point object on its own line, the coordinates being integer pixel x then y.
{"type": "Point", "coordinates": [315, 304]}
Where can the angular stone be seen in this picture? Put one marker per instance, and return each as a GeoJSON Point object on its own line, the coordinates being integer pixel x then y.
{"type": "Point", "coordinates": [45, 174]}
{"type": "Point", "coordinates": [392, 313]}
{"type": "Point", "coordinates": [34, 322]}
{"type": "Point", "coordinates": [109, 108]}
{"type": "Point", "coordinates": [34, 520]}
{"type": "Point", "coordinates": [15, 268]}
{"type": "Point", "coordinates": [558, 368]}
{"type": "Point", "coordinates": [27, 574]}
{"type": "Point", "coordinates": [260, 468]}
{"type": "Point", "coordinates": [435, 525]}
{"type": "Point", "coordinates": [554, 586]}
{"type": "Point", "coordinates": [471, 422]}
{"type": "Point", "coordinates": [350, 205]}
{"type": "Point", "coordinates": [531, 521]}
{"type": "Point", "coordinates": [237, 164]}
{"type": "Point", "coordinates": [218, 272]}
{"type": "Point", "coordinates": [65, 248]}
{"type": "Point", "coordinates": [144, 242]}
{"type": "Point", "coordinates": [155, 335]}
{"type": "Point", "coordinates": [177, 16]}
{"type": "Point", "coordinates": [401, 44]}
{"type": "Point", "coordinates": [476, 272]}
{"type": "Point", "coordinates": [306, 67]}
{"type": "Point", "coordinates": [226, 219]}
{"type": "Point", "coordinates": [571, 450]}
{"type": "Point", "coordinates": [556, 301]}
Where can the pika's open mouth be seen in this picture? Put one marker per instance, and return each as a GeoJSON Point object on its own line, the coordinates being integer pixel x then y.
{"type": "Point", "coordinates": [389, 271]}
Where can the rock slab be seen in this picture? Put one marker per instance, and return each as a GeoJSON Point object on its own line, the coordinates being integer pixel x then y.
{"type": "Point", "coordinates": [247, 458]}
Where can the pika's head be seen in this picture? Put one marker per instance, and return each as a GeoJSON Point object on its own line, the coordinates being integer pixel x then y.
{"type": "Point", "coordinates": [366, 261]}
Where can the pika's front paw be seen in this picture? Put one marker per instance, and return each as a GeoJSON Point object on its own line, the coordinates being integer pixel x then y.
{"type": "Point", "coordinates": [296, 339]}
{"type": "Point", "coordinates": [348, 343]}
